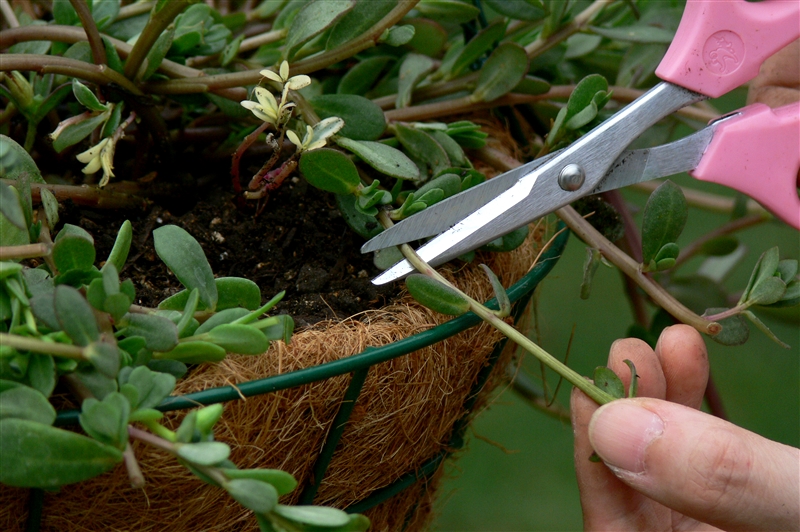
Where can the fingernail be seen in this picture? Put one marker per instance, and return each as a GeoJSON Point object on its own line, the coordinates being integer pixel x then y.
{"type": "Point", "coordinates": [620, 433]}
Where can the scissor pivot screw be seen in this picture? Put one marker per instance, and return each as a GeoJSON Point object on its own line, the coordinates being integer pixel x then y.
{"type": "Point", "coordinates": [571, 177]}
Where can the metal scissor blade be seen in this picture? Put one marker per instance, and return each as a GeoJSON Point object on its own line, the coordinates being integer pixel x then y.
{"type": "Point", "coordinates": [511, 209]}
{"type": "Point", "coordinates": [442, 216]}
{"type": "Point", "coordinates": [635, 166]}
{"type": "Point", "coordinates": [539, 192]}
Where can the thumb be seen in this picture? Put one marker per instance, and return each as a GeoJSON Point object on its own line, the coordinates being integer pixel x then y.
{"type": "Point", "coordinates": [699, 465]}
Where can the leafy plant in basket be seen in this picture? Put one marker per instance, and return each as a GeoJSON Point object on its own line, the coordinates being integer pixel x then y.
{"type": "Point", "coordinates": [68, 321]}
{"type": "Point", "coordinates": [347, 95]}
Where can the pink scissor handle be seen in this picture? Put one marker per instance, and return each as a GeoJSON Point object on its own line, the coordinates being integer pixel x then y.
{"type": "Point", "coordinates": [758, 152]}
{"type": "Point", "coordinates": [720, 45]}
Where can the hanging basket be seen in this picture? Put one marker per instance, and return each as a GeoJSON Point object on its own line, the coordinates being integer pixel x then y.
{"type": "Point", "coordinates": [362, 412]}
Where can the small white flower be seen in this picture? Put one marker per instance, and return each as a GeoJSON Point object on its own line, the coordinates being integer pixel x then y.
{"type": "Point", "coordinates": [294, 83]}
{"type": "Point", "coordinates": [99, 156]}
{"type": "Point", "coordinates": [266, 108]}
{"type": "Point", "coordinates": [317, 136]}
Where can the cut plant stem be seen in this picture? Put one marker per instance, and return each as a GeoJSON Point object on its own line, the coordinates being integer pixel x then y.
{"type": "Point", "coordinates": [577, 380]}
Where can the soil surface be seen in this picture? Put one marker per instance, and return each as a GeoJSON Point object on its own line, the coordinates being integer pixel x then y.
{"type": "Point", "coordinates": [299, 243]}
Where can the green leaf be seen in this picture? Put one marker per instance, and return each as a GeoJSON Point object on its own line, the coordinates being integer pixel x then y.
{"type": "Point", "coordinates": [188, 311]}
{"type": "Point", "coordinates": [277, 328]}
{"type": "Point", "coordinates": [766, 266]}
{"type": "Point", "coordinates": [424, 146]}
{"type": "Point", "coordinates": [254, 495]}
{"type": "Point", "coordinates": [634, 379]}
{"type": "Point", "coordinates": [74, 133]}
{"type": "Point", "coordinates": [104, 12]}
{"type": "Point", "coordinates": [282, 481]}
{"type": "Point", "coordinates": [412, 70]}
{"type": "Point", "coordinates": [50, 204]}
{"type": "Point", "coordinates": [381, 157]}
{"type": "Point", "coordinates": [581, 44]}
{"type": "Point", "coordinates": [768, 291]}
{"type": "Point", "coordinates": [21, 402]}
{"type": "Point", "coordinates": [40, 456]}
{"type": "Point", "coordinates": [73, 253]}
{"type": "Point", "coordinates": [436, 296]}
{"type": "Point", "coordinates": [451, 148]}
{"type": "Point", "coordinates": [361, 78]}
{"type": "Point", "coordinates": [237, 338]}
{"type": "Point", "coordinates": [75, 315]}
{"type": "Point", "coordinates": [97, 383]}
{"type": "Point", "coordinates": [451, 11]}
{"type": "Point", "coordinates": [312, 20]}
{"type": "Point", "coordinates": [207, 418]}
{"type": "Point", "coordinates": [156, 54]}
{"type": "Point", "coordinates": [117, 305]}
{"type": "Point", "coordinates": [226, 316]}
{"type": "Point", "coordinates": [504, 69]}
{"type": "Point", "coordinates": [590, 265]}
{"type": "Point", "coordinates": [607, 380]}
{"type": "Point", "coordinates": [531, 85]}
{"type": "Point", "coordinates": [363, 224]}
{"type": "Point", "coordinates": [106, 421]}
{"type": "Point", "coordinates": [664, 218]}
{"type": "Point", "coordinates": [105, 357]}
{"type": "Point", "coordinates": [319, 516]}
{"type": "Point", "coordinates": [152, 387]}
{"type": "Point", "coordinates": [15, 161]}
{"type": "Point", "coordinates": [518, 9]}
{"type": "Point", "coordinates": [231, 50]}
{"type": "Point", "coordinates": [428, 37]}
{"type": "Point", "coordinates": [509, 241]}
{"type": "Point", "coordinates": [500, 294]}
{"type": "Point", "coordinates": [86, 97]}
{"type": "Point", "coordinates": [330, 170]}
{"type": "Point", "coordinates": [398, 35]}
{"type": "Point", "coordinates": [204, 453]}
{"type": "Point", "coordinates": [450, 184]}
{"type": "Point", "coordinates": [787, 270]}
{"type": "Point", "coordinates": [734, 329]}
{"type": "Point", "coordinates": [477, 47]}
{"type": "Point", "coordinates": [232, 292]}
{"type": "Point", "coordinates": [358, 20]}
{"type": "Point", "coordinates": [160, 334]}
{"type": "Point", "coordinates": [42, 373]}
{"type": "Point", "coordinates": [637, 33]}
{"type": "Point", "coordinates": [763, 328]}
{"type": "Point", "coordinates": [363, 120]}
{"type": "Point", "coordinates": [10, 207]}
{"type": "Point", "coordinates": [64, 13]}
{"type": "Point", "coordinates": [183, 255]}
{"type": "Point", "coordinates": [194, 352]}
{"type": "Point", "coordinates": [146, 415]}
{"type": "Point", "coordinates": [586, 100]}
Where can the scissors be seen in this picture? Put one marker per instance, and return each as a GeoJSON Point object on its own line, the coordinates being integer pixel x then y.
{"type": "Point", "coordinates": [756, 150]}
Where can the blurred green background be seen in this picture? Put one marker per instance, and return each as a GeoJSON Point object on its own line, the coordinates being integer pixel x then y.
{"type": "Point", "coordinates": [516, 472]}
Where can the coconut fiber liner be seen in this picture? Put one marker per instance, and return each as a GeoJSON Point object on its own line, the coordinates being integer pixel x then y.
{"type": "Point", "coordinates": [403, 417]}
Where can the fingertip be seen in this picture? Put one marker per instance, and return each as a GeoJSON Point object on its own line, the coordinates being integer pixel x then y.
{"type": "Point", "coordinates": [682, 353]}
{"type": "Point", "coordinates": [648, 367]}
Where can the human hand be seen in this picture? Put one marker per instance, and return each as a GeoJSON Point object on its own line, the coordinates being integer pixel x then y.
{"type": "Point", "coordinates": [669, 466]}
{"type": "Point", "coordinates": [778, 82]}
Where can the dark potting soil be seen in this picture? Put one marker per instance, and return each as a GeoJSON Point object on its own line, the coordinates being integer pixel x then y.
{"type": "Point", "coordinates": [299, 243]}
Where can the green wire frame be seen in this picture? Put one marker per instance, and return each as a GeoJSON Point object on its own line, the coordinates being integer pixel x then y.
{"type": "Point", "coordinates": [358, 365]}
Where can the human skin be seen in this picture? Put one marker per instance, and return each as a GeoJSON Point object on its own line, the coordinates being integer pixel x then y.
{"type": "Point", "coordinates": [668, 466]}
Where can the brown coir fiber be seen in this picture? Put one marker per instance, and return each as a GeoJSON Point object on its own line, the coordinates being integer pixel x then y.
{"type": "Point", "coordinates": [403, 418]}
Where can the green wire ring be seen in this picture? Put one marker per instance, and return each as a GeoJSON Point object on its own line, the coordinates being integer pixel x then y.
{"type": "Point", "coordinates": [359, 364]}
{"type": "Point", "coordinates": [369, 357]}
